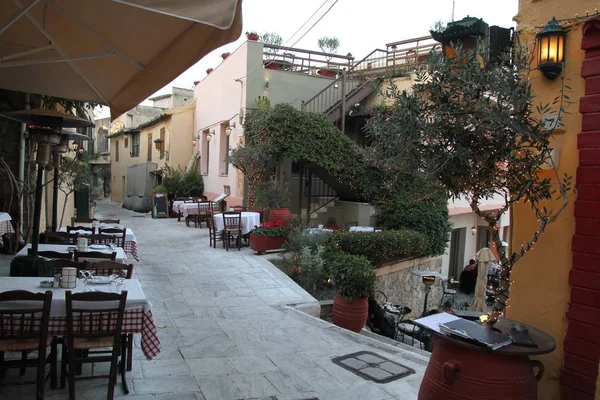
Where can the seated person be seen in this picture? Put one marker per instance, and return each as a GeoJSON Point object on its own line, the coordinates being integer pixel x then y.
{"type": "Point", "coordinates": [468, 277]}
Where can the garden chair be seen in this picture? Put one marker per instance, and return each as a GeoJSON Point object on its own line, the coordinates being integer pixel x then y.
{"type": "Point", "coordinates": [26, 337]}
{"type": "Point", "coordinates": [55, 266]}
{"type": "Point", "coordinates": [110, 221]}
{"type": "Point", "coordinates": [232, 228]}
{"type": "Point", "coordinates": [108, 268]}
{"type": "Point", "coordinates": [82, 220]}
{"type": "Point", "coordinates": [213, 233]}
{"type": "Point", "coordinates": [88, 342]}
{"type": "Point", "coordinates": [118, 234]}
{"type": "Point", "coordinates": [60, 238]}
{"type": "Point", "coordinates": [100, 238]}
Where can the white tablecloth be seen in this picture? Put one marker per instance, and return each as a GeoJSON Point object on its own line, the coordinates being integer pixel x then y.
{"type": "Point", "coordinates": [135, 295]}
{"type": "Point", "coordinates": [361, 229]}
{"type": "Point", "coordinates": [4, 216]}
{"type": "Point", "coordinates": [249, 221]}
{"type": "Point", "coordinates": [63, 248]}
{"type": "Point", "coordinates": [192, 208]}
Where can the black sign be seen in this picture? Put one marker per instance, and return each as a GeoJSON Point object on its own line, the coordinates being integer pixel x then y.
{"type": "Point", "coordinates": [160, 205]}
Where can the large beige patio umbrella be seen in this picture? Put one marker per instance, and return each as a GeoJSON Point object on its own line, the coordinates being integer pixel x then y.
{"type": "Point", "coordinates": [116, 53]}
{"type": "Point", "coordinates": [483, 256]}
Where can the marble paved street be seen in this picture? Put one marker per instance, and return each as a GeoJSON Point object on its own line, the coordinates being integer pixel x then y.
{"type": "Point", "coordinates": [232, 326]}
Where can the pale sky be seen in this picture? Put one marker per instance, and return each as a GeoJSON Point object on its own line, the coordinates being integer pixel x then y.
{"type": "Point", "coordinates": [360, 25]}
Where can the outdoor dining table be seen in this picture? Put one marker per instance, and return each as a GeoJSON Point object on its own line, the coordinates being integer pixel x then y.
{"type": "Point", "coordinates": [64, 248]}
{"type": "Point", "coordinates": [249, 221]}
{"type": "Point", "coordinates": [138, 310]}
{"type": "Point", "coordinates": [130, 240]}
{"type": "Point", "coordinates": [186, 209]}
{"type": "Point", "coordinates": [5, 224]}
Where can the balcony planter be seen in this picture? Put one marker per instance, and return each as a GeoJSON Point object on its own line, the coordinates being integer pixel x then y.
{"type": "Point", "coordinates": [252, 36]}
{"type": "Point", "coordinates": [209, 70]}
{"type": "Point", "coordinates": [225, 55]}
{"type": "Point", "coordinates": [282, 65]}
{"type": "Point", "coordinates": [330, 73]}
{"type": "Point", "coordinates": [260, 244]}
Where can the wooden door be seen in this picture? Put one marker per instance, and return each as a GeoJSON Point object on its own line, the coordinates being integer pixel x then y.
{"type": "Point", "coordinates": [457, 252]}
{"type": "Point", "coordinates": [149, 158]}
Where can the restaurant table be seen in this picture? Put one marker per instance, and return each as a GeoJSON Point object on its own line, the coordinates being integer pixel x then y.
{"type": "Point", "coordinates": [191, 208]}
{"type": "Point", "coordinates": [249, 221]}
{"type": "Point", "coordinates": [5, 224]}
{"type": "Point", "coordinates": [130, 240]}
{"type": "Point", "coordinates": [138, 309]}
{"type": "Point", "coordinates": [64, 248]}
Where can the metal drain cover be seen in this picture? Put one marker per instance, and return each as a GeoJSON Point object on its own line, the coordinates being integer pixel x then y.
{"type": "Point", "coordinates": [373, 366]}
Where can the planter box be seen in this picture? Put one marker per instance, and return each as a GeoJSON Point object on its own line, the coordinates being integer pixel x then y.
{"type": "Point", "coordinates": [260, 244]}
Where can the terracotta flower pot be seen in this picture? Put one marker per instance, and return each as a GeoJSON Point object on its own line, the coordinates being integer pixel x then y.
{"type": "Point", "coordinates": [225, 55]}
{"type": "Point", "coordinates": [281, 214]}
{"type": "Point", "coordinates": [260, 244]}
{"type": "Point", "coordinates": [351, 315]}
{"type": "Point", "coordinates": [209, 70]}
{"type": "Point", "coordinates": [327, 72]}
{"type": "Point", "coordinates": [252, 36]}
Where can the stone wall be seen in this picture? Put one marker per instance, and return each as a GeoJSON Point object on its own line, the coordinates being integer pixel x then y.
{"type": "Point", "coordinates": [402, 287]}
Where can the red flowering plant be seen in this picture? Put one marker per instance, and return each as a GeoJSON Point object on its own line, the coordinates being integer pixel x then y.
{"type": "Point", "coordinates": [271, 228]}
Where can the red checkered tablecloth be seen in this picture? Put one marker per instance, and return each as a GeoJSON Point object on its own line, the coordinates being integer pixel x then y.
{"type": "Point", "coordinates": [134, 321]}
{"type": "Point", "coordinates": [6, 227]}
{"type": "Point", "coordinates": [131, 247]}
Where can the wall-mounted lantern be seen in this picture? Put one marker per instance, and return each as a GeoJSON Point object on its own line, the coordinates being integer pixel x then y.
{"type": "Point", "coordinates": [473, 230]}
{"type": "Point", "coordinates": [158, 143]}
{"type": "Point", "coordinates": [230, 128]}
{"type": "Point", "coordinates": [209, 135]}
{"type": "Point", "coordinates": [551, 49]}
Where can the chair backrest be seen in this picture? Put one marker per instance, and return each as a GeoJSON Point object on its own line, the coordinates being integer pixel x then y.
{"type": "Point", "coordinates": [53, 254]}
{"type": "Point", "coordinates": [89, 255]}
{"type": "Point", "coordinates": [60, 238]}
{"type": "Point", "coordinates": [204, 207]}
{"type": "Point", "coordinates": [53, 267]}
{"type": "Point", "coordinates": [108, 268]}
{"type": "Point", "coordinates": [232, 220]}
{"type": "Point", "coordinates": [239, 208]}
{"type": "Point", "coordinates": [27, 321]}
{"type": "Point", "coordinates": [89, 229]}
{"type": "Point", "coordinates": [110, 221]}
{"type": "Point", "coordinates": [95, 315]}
{"type": "Point", "coordinates": [99, 238]}
{"type": "Point", "coordinates": [118, 234]}
{"type": "Point", "coordinates": [82, 220]}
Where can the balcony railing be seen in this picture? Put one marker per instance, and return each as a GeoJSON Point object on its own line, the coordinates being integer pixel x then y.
{"type": "Point", "coordinates": [305, 61]}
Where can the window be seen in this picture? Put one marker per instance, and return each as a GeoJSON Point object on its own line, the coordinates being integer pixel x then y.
{"type": "Point", "coordinates": [205, 152]}
{"type": "Point", "coordinates": [126, 142]}
{"type": "Point", "coordinates": [149, 158]}
{"type": "Point", "coordinates": [135, 144]}
{"type": "Point", "coordinates": [116, 150]}
{"type": "Point", "coordinates": [162, 145]}
{"type": "Point", "coordinates": [223, 151]}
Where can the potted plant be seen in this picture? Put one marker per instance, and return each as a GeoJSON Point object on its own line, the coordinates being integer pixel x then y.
{"type": "Point", "coordinates": [274, 197]}
{"type": "Point", "coordinates": [209, 70]}
{"type": "Point", "coordinates": [332, 224]}
{"type": "Point", "coordinates": [252, 36]}
{"type": "Point", "coordinates": [354, 280]}
{"type": "Point", "coordinates": [269, 236]}
{"type": "Point", "coordinates": [225, 55]}
{"type": "Point", "coordinates": [329, 45]}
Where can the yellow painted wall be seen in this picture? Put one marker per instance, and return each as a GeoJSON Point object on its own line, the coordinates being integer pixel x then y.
{"type": "Point", "coordinates": [179, 131]}
{"type": "Point", "coordinates": [540, 293]}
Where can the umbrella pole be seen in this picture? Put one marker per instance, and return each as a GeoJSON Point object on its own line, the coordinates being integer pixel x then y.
{"type": "Point", "coordinates": [37, 211]}
{"type": "Point", "coordinates": [55, 200]}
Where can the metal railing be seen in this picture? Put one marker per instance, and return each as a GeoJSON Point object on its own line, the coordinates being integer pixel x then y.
{"type": "Point", "coordinates": [304, 61]}
{"type": "Point", "coordinates": [316, 193]}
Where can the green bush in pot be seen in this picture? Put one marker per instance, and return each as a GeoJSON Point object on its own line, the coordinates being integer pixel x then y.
{"type": "Point", "coordinates": [352, 275]}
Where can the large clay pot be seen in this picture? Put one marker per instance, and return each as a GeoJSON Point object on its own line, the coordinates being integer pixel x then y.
{"type": "Point", "coordinates": [260, 244]}
{"type": "Point", "coordinates": [351, 315]}
{"type": "Point", "coordinates": [281, 214]}
{"type": "Point", "coordinates": [457, 372]}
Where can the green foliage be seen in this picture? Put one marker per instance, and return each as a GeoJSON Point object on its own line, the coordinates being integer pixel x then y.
{"type": "Point", "coordinates": [310, 266]}
{"type": "Point", "coordinates": [272, 194]}
{"type": "Point", "coordinates": [179, 183]}
{"type": "Point", "coordinates": [299, 238]}
{"type": "Point", "coordinates": [272, 38]}
{"type": "Point", "coordinates": [262, 102]}
{"type": "Point", "coordinates": [352, 275]}
{"type": "Point", "coordinates": [159, 189]}
{"type": "Point", "coordinates": [328, 45]}
{"type": "Point", "coordinates": [382, 247]}
{"type": "Point", "coordinates": [74, 175]}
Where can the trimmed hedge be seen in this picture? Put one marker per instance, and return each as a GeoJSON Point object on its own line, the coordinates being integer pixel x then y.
{"type": "Point", "coordinates": [382, 247]}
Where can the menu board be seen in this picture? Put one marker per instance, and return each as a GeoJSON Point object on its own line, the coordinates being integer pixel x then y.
{"type": "Point", "coordinates": [160, 205]}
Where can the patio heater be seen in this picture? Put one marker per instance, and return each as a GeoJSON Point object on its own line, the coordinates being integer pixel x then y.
{"type": "Point", "coordinates": [428, 281]}
{"type": "Point", "coordinates": [44, 127]}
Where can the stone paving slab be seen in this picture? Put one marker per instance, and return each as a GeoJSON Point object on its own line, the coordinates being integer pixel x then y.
{"type": "Point", "coordinates": [233, 326]}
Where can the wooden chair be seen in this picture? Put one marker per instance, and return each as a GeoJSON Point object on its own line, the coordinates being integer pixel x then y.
{"type": "Point", "coordinates": [89, 229]}
{"type": "Point", "coordinates": [239, 208]}
{"type": "Point", "coordinates": [53, 267]}
{"type": "Point", "coordinates": [82, 220]}
{"type": "Point", "coordinates": [53, 254]}
{"type": "Point", "coordinates": [232, 228]}
{"type": "Point", "coordinates": [108, 268]}
{"type": "Point", "coordinates": [60, 238]}
{"type": "Point", "coordinates": [86, 255]}
{"type": "Point", "coordinates": [204, 212]}
{"type": "Point", "coordinates": [19, 333]}
{"type": "Point", "coordinates": [110, 221]}
{"type": "Point", "coordinates": [213, 233]}
{"type": "Point", "coordinates": [118, 234]}
{"type": "Point", "coordinates": [87, 342]}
